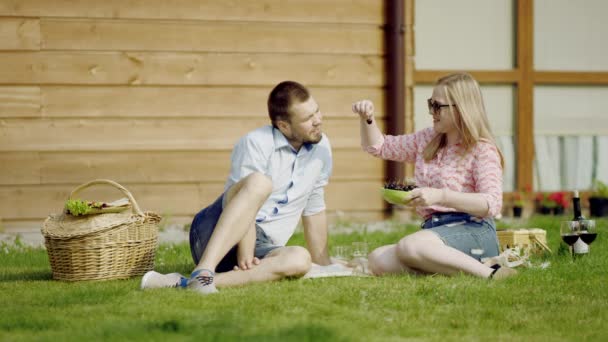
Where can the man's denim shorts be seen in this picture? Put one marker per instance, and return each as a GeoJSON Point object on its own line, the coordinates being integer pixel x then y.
{"type": "Point", "coordinates": [468, 234]}
{"type": "Point", "coordinates": [203, 226]}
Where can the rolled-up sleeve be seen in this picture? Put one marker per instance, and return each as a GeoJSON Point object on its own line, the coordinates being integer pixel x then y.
{"type": "Point", "coordinates": [316, 201]}
{"type": "Point", "coordinates": [487, 172]}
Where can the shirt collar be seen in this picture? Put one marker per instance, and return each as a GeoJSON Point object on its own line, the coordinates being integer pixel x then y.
{"type": "Point", "coordinates": [279, 139]}
{"type": "Point", "coordinates": [281, 142]}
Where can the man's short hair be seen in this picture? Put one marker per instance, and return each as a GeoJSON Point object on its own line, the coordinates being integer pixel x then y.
{"type": "Point", "coordinates": [282, 97]}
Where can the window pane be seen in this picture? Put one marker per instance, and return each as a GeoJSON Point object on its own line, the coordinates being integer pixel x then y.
{"type": "Point", "coordinates": [464, 34]}
{"type": "Point", "coordinates": [570, 35]}
{"type": "Point", "coordinates": [573, 110]}
{"type": "Point", "coordinates": [570, 127]}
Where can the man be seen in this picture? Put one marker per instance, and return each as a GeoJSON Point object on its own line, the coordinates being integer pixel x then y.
{"type": "Point", "coordinates": [277, 175]}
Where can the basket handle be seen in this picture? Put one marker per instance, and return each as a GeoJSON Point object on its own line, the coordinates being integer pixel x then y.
{"type": "Point", "coordinates": [114, 184]}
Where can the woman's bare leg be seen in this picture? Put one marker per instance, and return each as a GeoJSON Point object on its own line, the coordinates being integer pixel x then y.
{"type": "Point", "coordinates": [425, 251]}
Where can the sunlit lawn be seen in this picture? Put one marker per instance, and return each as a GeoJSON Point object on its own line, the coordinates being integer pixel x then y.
{"type": "Point", "coordinates": [567, 301]}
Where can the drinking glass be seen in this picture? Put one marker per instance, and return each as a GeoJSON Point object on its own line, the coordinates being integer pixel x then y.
{"type": "Point", "coordinates": [341, 253]}
{"type": "Point", "coordinates": [569, 231]}
{"type": "Point", "coordinates": [359, 261]}
{"type": "Point", "coordinates": [587, 232]}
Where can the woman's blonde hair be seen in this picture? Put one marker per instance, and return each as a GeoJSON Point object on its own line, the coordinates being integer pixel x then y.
{"type": "Point", "coordinates": [471, 120]}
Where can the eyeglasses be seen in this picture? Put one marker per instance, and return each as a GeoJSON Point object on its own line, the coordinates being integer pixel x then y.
{"type": "Point", "coordinates": [435, 107]}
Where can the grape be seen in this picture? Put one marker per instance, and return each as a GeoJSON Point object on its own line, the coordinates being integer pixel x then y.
{"type": "Point", "coordinates": [406, 186]}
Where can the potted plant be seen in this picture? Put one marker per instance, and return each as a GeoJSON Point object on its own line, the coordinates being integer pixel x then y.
{"type": "Point", "coordinates": [543, 204]}
{"type": "Point", "coordinates": [518, 204]}
{"type": "Point", "coordinates": [553, 203]}
{"type": "Point", "coordinates": [519, 201]}
{"type": "Point", "coordinates": [560, 198]}
{"type": "Point", "coordinates": [598, 201]}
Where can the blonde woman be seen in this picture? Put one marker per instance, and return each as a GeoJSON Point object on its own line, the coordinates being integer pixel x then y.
{"type": "Point", "coordinates": [458, 171]}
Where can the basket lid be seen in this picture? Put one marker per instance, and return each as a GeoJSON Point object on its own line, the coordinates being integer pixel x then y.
{"type": "Point", "coordinates": [68, 226]}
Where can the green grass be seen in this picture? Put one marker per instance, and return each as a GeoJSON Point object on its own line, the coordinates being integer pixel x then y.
{"type": "Point", "coordinates": [567, 301]}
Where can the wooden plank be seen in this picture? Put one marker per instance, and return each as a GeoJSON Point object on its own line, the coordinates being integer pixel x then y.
{"type": "Point", "coordinates": [28, 168]}
{"type": "Point", "coordinates": [525, 94]}
{"type": "Point", "coordinates": [171, 134]}
{"type": "Point", "coordinates": [482, 76]}
{"type": "Point", "coordinates": [20, 102]}
{"type": "Point", "coordinates": [116, 68]}
{"type": "Point", "coordinates": [146, 35]}
{"type": "Point", "coordinates": [36, 202]}
{"type": "Point", "coordinates": [571, 78]}
{"type": "Point", "coordinates": [315, 11]}
{"type": "Point", "coordinates": [19, 34]}
{"type": "Point", "coordinates": [20, 168]}
{"type": "Point", "coordinates": [334, 217]}
{"type": "Point", "coordinates": [242, 102]}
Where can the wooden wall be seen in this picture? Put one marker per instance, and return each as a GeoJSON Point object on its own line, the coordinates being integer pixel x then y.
{"type": "Point", "coordinates": [154, 94]}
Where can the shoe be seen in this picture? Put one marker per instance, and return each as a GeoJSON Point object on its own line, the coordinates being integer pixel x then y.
{"type": "Point", "coordinates": [202, 282]}
{"type": "Point", "coordinates": [503, 272]}
{"type": "Point", "coordinates": [155, 280]}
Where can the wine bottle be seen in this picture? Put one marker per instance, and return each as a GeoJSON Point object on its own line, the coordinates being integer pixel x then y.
{"type": "Point", "coordinates": [579, 247]}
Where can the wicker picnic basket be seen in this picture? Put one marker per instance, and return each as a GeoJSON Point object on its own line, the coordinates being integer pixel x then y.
{"type": "Point", "coordinates": [101, 246]}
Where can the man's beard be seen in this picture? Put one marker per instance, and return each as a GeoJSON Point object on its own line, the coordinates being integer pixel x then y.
{"type": "Point", "coordinates": [313, 141]}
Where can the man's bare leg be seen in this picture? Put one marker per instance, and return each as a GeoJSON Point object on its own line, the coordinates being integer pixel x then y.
{"type": "Point", "coordinates": [292, 261]}
{"type": "Point", "coordinates": [243, 201]}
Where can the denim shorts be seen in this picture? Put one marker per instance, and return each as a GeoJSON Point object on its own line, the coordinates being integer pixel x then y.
{"type": "Point", "coordinates": [202, 228]}
{"type": "Point", "coordinates": [465, 233]}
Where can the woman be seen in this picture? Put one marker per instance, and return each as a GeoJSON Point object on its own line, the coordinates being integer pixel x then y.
{"type": "Point", "coordinates": [458, 171]}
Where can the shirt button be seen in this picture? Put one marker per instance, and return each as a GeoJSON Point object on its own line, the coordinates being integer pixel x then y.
{"type": "Point", "coordinates": [275, 211]}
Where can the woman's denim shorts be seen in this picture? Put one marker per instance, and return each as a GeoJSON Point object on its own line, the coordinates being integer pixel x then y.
{"type": "Point", "coordinates": [471, 235]}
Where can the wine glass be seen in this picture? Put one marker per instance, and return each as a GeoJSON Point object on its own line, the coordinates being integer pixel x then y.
{"type": "Point", "coordinates": [359, 261]}
{"type": "Point", "coordinates": [569, 231]}
{"type": "Point", "coordinates": [341, 254]}
{"type": "Point", "coordinates": [587, 232]}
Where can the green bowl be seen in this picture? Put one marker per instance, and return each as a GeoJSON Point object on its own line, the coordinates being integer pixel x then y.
{"type": "Point", "coordinates": [396, 196]}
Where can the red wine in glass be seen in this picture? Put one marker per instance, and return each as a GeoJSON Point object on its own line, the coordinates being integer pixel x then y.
{"type": "Point", "coordinates": [588, 238]}
{"type": "Point", "coordinates": [570, 239]}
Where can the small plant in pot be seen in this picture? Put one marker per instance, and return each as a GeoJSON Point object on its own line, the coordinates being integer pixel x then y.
{"type": "Point", "coordinates": [518, 204]}
{"type": "Point", "coordinates": [598, 201]}
{"type": "Point", "coordinates": [520, 199]}
{"type": "Point", "coordinates": [553, 203]}
{"type": "Point", "coordinates": [561, 200]}
{"type": "Point", "coordinates": [544, 205]}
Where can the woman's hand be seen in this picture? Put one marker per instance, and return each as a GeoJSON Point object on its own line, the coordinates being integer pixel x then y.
{"type": "Point", "coordinates": [424, 197]}
{"type": "Point", "coordinates": [365, 109]}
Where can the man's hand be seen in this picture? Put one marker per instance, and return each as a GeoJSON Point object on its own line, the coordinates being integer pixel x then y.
{"type": "Point", "coordinates": [245, 262]}
{"type": "Point", "coordinates": [245, 251]}
{"type": "Point", "coordinates": [424, 197]}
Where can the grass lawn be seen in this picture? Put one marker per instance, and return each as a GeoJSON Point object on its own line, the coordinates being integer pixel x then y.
{"type": "Point", "coordinates": [567, 301]}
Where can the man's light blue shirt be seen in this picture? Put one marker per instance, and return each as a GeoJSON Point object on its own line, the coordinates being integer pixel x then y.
{"type": "Point", "coordinates": [298, 178]}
